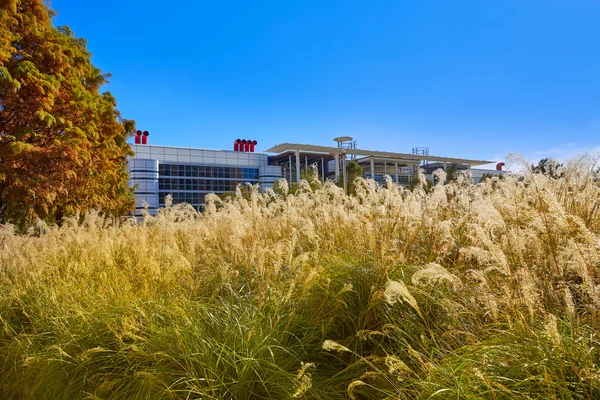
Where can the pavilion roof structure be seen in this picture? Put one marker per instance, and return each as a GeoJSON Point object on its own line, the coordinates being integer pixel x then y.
{"type": "Point", "coordinates": [388, 160]}
{"type": "Point", "coordinates": [379, 155]}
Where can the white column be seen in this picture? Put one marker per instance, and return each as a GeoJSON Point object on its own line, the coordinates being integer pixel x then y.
{"type": "Point", "coordinates": [298, 166]}
{"type": "Point", "coordinates": [290, 164]}
{"type": "Point", "coordinates": [372, 168]}
{"type": "Point", "coordinates": [337, 165]}
{"type": "Point", "coordinates": [472, 179]}
{"type": "Point", "coordinates": [323, 168]}
{"type": "Point", "coordinates": [345, 174]}
{"type": "Point", "coordinates": [396, 166]}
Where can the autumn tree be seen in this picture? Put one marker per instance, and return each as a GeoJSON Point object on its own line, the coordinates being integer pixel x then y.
{"type": "Point", "coordinates": [62, 143]}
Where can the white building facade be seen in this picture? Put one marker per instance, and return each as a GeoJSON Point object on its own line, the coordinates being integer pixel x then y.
{"type": "Point", "coordinates": [189, 174]}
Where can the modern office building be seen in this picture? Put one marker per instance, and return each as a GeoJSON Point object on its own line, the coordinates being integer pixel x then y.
{"type": "Point", "coordinates": [188, 174]}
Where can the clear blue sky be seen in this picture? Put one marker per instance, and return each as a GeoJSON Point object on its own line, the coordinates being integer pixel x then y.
{"type": "Point", "coordinates": [473, 79]}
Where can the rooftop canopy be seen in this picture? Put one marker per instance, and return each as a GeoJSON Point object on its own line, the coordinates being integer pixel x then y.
{"type": "Point", "coordinates": [408, 158]}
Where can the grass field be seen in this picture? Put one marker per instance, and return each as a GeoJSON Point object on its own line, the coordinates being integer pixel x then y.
{"type": "Point", "coordinates": [466, 292]}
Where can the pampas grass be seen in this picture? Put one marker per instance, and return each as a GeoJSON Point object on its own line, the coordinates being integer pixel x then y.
{"type": "Point", "coordinates": [458, 291]}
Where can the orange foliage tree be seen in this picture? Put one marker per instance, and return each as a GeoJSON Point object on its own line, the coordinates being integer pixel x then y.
{"type": "Point", "coordinates": [62, 143]}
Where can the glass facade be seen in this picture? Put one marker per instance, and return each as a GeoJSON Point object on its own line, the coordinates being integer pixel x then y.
{"type": "Point", "coordinates": [190, 183]}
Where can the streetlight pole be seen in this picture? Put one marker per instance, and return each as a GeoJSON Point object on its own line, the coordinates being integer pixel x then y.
{"type": "Point", "coordinates": [340, 141]}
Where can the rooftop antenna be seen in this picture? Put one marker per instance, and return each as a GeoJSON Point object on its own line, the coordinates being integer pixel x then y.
{"type": "Point", "coordinates": [421, 151]}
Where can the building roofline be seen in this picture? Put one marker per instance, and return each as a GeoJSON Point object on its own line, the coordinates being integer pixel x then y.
{"type": "Point", "coordinates": [195, 148]}
{"type": "Point", "coordinates": [280, 148]}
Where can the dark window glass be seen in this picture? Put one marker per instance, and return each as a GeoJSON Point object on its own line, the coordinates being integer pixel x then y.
{"type": "Point", "coordinates": [249, 174]}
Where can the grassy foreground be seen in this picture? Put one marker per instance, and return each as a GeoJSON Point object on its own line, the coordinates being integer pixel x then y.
{"type": "Point", "coordinates": [467, 292]}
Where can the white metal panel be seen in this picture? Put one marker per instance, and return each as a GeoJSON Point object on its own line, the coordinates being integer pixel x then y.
{"type": "Point", "coordinates": [196, 153]}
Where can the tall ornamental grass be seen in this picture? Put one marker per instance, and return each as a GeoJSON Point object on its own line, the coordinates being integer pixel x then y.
{"type": "Point", "coordinates": [459, 292]}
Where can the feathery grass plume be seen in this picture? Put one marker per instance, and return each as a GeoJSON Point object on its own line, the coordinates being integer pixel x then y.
{"type": "Point", "coordinates": [366, 334]}
{"type": "Point", "coordinates": [440, 176]}
{"type": "Point", "coordinates": [551, 329]}
{"type": "Point", "coordinates": [484, 296]}
{"type": "Point", "coordinates": [303, 379]}
{"type": "Point", "coordinates": [529, 293]}
{"type": "Point", "coordinates": [348, 287]}
{"type": "Point", "coordinates": [352, 387]}
{"type": "Point", "coordinates": [395, 365]}
{"type": "Point", "coordinates": [433, 273]}
{"type": "Point", "coordinates": [569, 303]}
{"type": "Point", "coordinates": [226, 303]}
{"type": "Point", "coordinates": [331, 345]}
{"type": "Point", "coordinates": [396, 291]}
{"type": "Point", "coordinates": [422, 177]}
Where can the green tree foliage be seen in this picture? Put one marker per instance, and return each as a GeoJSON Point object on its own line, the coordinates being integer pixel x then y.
{"type": "Point", "coordinates": [311, 176]}
{"type": "Point", "coordinates": [487, 176]}
{"type": "Point", "coordinates": [62, 143]}
{"type": "Point", "coordinates": [549, 167]}
{"type": "Point", "coordinates": [415, 182]}
{"type": "Point", "coordinates": [452, 172]}
{"type": "Point", "coordinates": [245, 190]}
{"type": "Point", "coordinates": [354, 171]}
